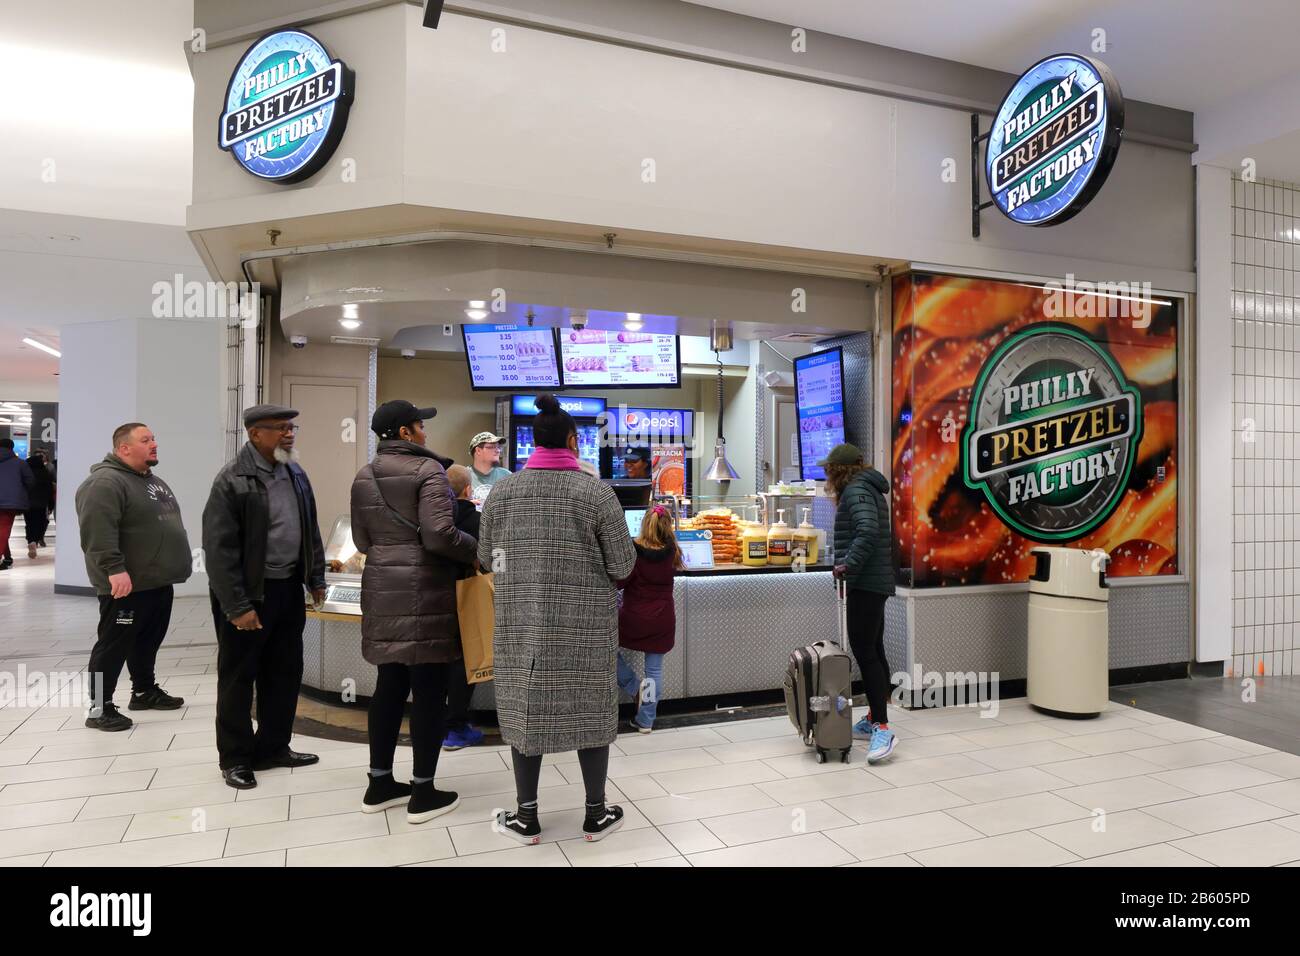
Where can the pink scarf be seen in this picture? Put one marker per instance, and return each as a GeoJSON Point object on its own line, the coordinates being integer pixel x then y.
{"type": "Point", "coordinates": [555, 459]}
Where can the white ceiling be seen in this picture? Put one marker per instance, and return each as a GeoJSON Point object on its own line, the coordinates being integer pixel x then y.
{"type": "Point", "coordinates": [96, 126]}
{"type": "Point", "coordinates": [1189, 54]}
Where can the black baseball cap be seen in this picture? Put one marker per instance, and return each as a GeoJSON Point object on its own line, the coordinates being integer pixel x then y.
{"type": "Point", "coordinates": [637, 454]}
{"type": "Point", "coordinates": [391, 416]}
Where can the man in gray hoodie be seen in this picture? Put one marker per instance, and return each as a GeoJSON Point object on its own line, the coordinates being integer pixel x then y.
{"type": "Point", "coordinates": [136, 549]}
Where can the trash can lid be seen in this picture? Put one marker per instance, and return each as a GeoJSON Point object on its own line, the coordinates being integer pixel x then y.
{"type": "Point", "coordinates": [1070, 572]}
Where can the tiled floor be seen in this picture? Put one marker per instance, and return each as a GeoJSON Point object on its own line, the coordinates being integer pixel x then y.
{"type": "Point", "coordinates": [1130, 788]}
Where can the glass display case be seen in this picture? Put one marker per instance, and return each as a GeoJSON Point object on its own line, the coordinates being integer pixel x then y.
{"type": "Point", "coordinates": [343, 567]}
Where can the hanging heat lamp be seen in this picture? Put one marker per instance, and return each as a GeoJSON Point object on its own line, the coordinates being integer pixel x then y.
{"type": "Point", "coordinates": [720, 340]}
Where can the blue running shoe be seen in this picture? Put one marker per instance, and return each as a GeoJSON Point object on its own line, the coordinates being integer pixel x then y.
{"type": "Point", "coordinates": [460, 737]}
{"type": "Point", "coordinates": [882, 745]}
{"type": "Point", "coordinates": [864, 728]}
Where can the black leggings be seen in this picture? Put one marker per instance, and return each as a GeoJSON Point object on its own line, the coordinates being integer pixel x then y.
{"type": "Point", "coordinates": [866, 613]}
{"type": "Point", "coordinates": [528, 771]}
{"type": "Point", "coordinates": [428, 684]}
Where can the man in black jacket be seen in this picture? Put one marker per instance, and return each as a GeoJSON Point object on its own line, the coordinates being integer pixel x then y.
{"type": "Point", "coordinates": [262, 545]}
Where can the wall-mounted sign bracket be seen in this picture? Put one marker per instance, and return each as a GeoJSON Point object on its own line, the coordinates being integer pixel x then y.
{"type": "Point", "coordinates": [976, 207]}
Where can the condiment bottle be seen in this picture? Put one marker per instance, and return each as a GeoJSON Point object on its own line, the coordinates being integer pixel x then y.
{"type": "Point", "coordinates": [780, 544]}
{"type": "Point", "coordinates": [807, 538]}
{"type": "Point", "coordinates": [753, 543]}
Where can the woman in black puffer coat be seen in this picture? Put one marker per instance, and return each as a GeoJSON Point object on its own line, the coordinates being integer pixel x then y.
{"type": "Point", "coordinates": [403, 521]}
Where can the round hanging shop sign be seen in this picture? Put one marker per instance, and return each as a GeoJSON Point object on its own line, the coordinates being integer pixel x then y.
{"type": "Point", "coordinates": [1054, 140]}
{"type": "Point", "coordinates": [1054, 430]}
{"type": "Point", "coordinates": [286, 107]}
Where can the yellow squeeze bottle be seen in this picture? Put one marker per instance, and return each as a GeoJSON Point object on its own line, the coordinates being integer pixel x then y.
{"type": "Point", "coordinates": [780, 543]}
{"type": "Point", "coordinates": [753, 544]}
{"type": "Point", "coordinates": [806, 538]}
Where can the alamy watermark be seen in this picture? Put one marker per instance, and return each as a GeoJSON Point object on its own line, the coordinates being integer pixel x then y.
{"type": "Point", "coordinates": [948, 689]}
{"type": "Point", "coordinates": [30, 689]}
{"type": "Point", "coordinates": [179, 299]}
{"type": "Point", "coordinates": [1097, 300]}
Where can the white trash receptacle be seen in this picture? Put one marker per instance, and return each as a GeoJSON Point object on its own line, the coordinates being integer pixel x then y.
{"type": "Point", "coordinates": [1069, 638]}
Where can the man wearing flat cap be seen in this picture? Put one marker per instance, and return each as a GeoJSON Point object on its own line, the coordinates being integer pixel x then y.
{"type": "Point", "coordinates": [262, 546]}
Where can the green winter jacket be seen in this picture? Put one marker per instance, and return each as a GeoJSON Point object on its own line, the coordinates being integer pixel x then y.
{"type": "Point", "coordinates": [862, 538]}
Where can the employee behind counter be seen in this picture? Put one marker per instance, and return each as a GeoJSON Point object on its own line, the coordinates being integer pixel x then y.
{"type": "Point", "coordinates": [485, 464]}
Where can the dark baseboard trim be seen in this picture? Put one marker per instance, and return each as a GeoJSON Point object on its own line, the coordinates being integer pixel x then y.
{"type": "Point", "coordinates": [1151, 672]}
{"type": "Point", "coordinates": [74, 589]}
{"type": "Point", "coordinates": [1207, 668]}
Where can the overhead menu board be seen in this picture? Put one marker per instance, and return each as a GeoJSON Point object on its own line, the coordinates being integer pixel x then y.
{"type": "Point", "coordinates": [510, 356]}
{"type": "Point", "coordinates": [819, 405]}
{"type": "Point", "coordinates": [592, 357]}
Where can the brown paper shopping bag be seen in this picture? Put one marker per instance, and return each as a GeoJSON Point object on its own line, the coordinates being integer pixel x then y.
{"type": "Point", "coordinates": [474, 607]}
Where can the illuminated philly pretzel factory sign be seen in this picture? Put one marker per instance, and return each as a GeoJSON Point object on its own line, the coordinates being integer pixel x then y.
{"type": "Point", "coordinates": [1053, 434]}
{"type": "Point", "coordinates": [286, 107]}
{"type": "Point", "coordinates": [1054, 140]}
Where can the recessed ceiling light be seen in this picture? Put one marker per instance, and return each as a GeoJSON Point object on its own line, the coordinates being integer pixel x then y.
{"type": "Point", "coordinates": [476, 314]}
{"type": "Point", "coordinates": [43, 347]}
{"type": "Point", "coordinates": [350, 324]}
{"type": "Point", "coordinates": [349, 310]}
{"type": "Point", "coordinates": [633, 321]}
{"type": "Point", "coordinates": [477, 304]}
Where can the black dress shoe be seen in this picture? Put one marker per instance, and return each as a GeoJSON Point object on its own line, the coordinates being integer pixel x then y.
{"type": "Point", "coordinates": [241, 778]}
{"type": "Point", "coordinates": [286, 758]}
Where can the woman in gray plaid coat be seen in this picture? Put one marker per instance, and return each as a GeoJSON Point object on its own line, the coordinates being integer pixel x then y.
{"type": "Point", "coordinates": [557, 541]}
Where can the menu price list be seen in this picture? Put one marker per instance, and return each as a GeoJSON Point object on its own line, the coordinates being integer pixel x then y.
{"type": "Point", "coordinates": [509, 356]}
{"type": "Point", "coordinates": [593, 357]}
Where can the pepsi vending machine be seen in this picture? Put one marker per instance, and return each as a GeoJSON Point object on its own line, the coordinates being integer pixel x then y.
{"type": "Point", "coordinates": [667, 432]}
{"type": "Point", "coordinates": [515, 414]}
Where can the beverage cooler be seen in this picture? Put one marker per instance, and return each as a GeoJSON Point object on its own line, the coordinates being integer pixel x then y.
{"type": "Point", "coordinates": [667, 432]}
{"type": "Point", "coordinates": [515, 414]}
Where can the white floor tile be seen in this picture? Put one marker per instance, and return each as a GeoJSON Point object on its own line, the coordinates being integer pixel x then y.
{"type": "Point", "coordinates": [67, 787]}
{"type": "Point", "coordinates": [713, 778]}
{"type": "Point", "coordinates": [397, 850]}
{"type": "Point", "coordinates": [756, 826]}
{"type": "Point", "coordinates": [1218, 811]}
{"type": "Point", "coordinates": [295, 833]}
{"type": "Point", "coordinates": [928, 770]}
{"type": "Point", "coordinates": [61, 836]}
{"type": "Point", "coordinates": [664, 762]}
{"type": "Point", "coordinates": [1157, 856]}
{"type": "Point", "coordinates": [198, 819]}
{"type": "Point", "coordinates": [640, 787]}
{"type": "Point", "coordinates": [854, 780]}
{"type": "Point", "coordinates": [741, 730]}
{"type": "Point", "coordinates": [1279, 764]}
{"type": "Point", "coordinates": [1036, 754]}
{"type": "Point", "coordinates": [271, 858]}
{"type": "Point", "coordinates": [542, 855]}
{"type": "Point", "coordinates": [748, 750]}
{"type": "Point", "coordinates": [921, 831]}
{"type": "Point", "coordinates": [1285, 794]}
{"type": "Point", "coordinates": [1088, 770]}
{"type": "Point", "coordinates": [40, 814]}
{"type": "Point", "coordinates": [1216, 777]}
{"type": "Point", "coordinates": [633, 745]}
{"type": "Point", "coordinates": [31, 859]}
{"type": "Point", "coordinates": [704, 803]}
{"type": "Point", "coordinates": [148, 801]}
{"type": "Point", "coordinates": [893, 803]}
{"type": "Point", "coordinates": [1112, 742]}
{"type": "Point", "coordinates": [1124, 830]}
{"type": "Point", "coordinates": [1003, 784]}
{"type": "Point", "coordinates": [1128, 793]}
{"type": "Point", "coordinates": [901, 860]}
{"type": "Point", "coordinates": [1018, 813]}
{"type": "Point", "coordinates": [807, 850]}
{"type": "Point", "coordinates": [1260, 844]}
{"type": "Point", "coordinates": [625, 846]}
{"type": "Point", "coordinates": [1010, 849]}
{"type": "Point", "coordinates": [1177, 732]}
{"type": "Point", "coordinates": [691, 836]}
{"type": "Point", "coordinates": [1006, 736]}
{"type": "Point", "coordinates": [165, 851]}
{"type": "Point", "coordinates": [1192, 753]}
{"type": "Point", "coordinates": [678, 861]}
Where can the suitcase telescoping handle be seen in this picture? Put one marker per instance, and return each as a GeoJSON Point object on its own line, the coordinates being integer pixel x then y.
{"type": "Point", "coordinates": [842, 599]}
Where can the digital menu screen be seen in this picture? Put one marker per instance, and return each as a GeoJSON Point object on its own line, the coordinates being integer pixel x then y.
{"type": "Point", "coordinates": [619, 359]}
{"type": "Point", "coordinates": [819, 405]}
{"type": "Point", "coordinates": [510, 356]}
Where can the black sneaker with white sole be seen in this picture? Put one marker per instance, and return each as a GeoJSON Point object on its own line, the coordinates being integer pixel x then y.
{"type": "Point", "coordinates": [384, 792]}
{"type": "Point", "coordinates": [510, 824]}
{"type": "Point", "coordinates": [602, 823]}
{"type": "Point", "coordinates": [155, 698]}
{"type": "Point", "coordinates": [427, 802]}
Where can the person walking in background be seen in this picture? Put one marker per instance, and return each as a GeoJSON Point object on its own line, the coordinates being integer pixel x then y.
{"type": "Point", "coordinates": [485, 463]}
{"type": "Point", "coordinates": [40, 502]}
{"type": "Point", "coordinates": [864, 561]}
{"type": "Point", "coordinates": [647, 621]}
{"type": "Point", "coordinates": [136, 549]}
{"type": "Point", "coordinates": [403, 521]}
{"type": "Point", "coordinates": [557, 541]}
{"type": "Point", "coordinates": [460, 732]}
{"type": "Point", "coordinates": [15, 485]}
{"type": "Point", "coordinates": [262, 544]}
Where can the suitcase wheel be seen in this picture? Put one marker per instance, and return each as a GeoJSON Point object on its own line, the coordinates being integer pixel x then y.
{"type": "Point", "coordinates": [844, 756]}
{"type": "Point", "coordinates": [821, 755]}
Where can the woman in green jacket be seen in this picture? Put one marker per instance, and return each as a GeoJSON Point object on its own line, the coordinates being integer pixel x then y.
{"type": "Point", "coordinates": [863, 560]}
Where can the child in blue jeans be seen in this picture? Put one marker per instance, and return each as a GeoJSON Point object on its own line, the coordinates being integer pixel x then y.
{"type": "Point", "coordinates": [646, 620]}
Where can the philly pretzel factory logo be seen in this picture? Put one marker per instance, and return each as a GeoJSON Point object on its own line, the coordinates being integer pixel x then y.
{"type": "Point", "coordinates": [1054, 140]}
{"type": "Point", "coordinates": [1054, 429]}
{"type": "Point", "coordinates": [286, 107]}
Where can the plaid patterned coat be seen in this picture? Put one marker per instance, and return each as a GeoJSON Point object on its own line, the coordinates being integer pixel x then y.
{"type": "Point", "coordinates": [557, 542]}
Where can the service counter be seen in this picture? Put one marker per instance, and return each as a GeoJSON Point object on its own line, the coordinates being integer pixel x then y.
{"type": "Point", "coordinates": [735, 631]}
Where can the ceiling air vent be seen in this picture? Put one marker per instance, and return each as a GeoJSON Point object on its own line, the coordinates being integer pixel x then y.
{"type": "Point", "coordinates": [800, 337]}
{"type": "Point", "coordinates": [354, 340]}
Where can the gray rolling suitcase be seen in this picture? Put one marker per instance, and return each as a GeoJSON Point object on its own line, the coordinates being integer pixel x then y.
{"type": "Point", "coordinates": [819, 691]}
